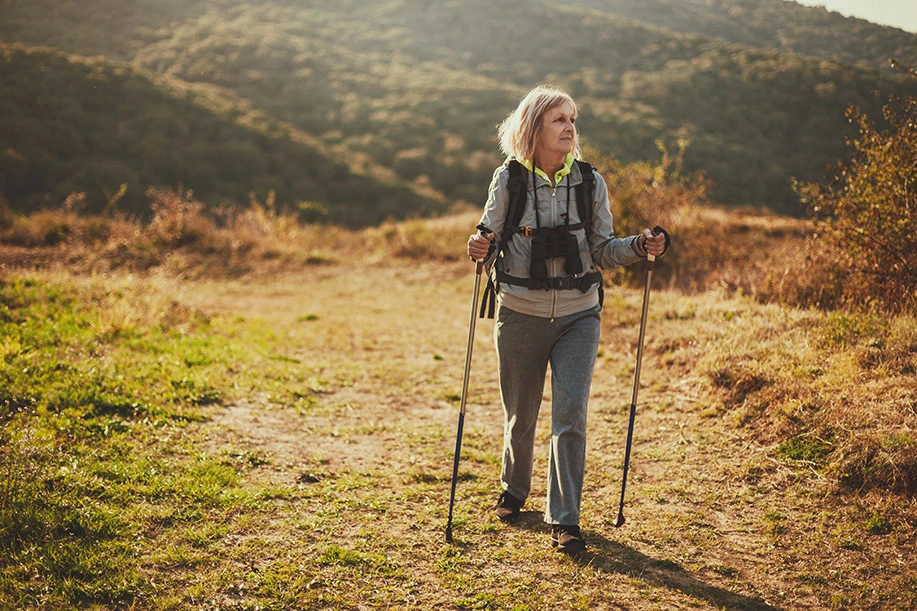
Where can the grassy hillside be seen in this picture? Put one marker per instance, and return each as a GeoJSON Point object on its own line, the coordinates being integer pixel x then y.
{"type": "Point", "coordinates": [421, 90]}
{"type": "Point", "coordinates": [74, 125]}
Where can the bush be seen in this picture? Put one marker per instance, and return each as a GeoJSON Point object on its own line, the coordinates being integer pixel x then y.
{"type": "Point", "coordinates": [43, 228]}
{"type": "Point", "coordinates": [866, 217]}
{"type": "Point", "coordinates": [178, 219]}
{"type": "Point", "coordinates": [643, 195]}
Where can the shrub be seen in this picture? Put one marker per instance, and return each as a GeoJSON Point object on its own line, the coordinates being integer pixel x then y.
{"type": "Point", "coordinates": [442, 239]}
{"type": "Point", "coordinates": [866, 216]}
{"type": "Point", "coordinates": [178, 219]}
{"type": "Point", "coordinates": [643, 195]}
{"type": "Point", "coordinates": [43, 228]}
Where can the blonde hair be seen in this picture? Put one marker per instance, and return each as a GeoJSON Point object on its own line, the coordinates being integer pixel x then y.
{"type": "Point", "coordinates": [520, 129]}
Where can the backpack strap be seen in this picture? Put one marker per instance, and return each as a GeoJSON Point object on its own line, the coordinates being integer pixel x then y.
{"type": "Point", "coordinates": [585, 199]}
{"type": "Point", "coordinates": [517, 188]}
{"type": "Point", "coordinates": [515, 208]}
{"type": "Point", "coordinates": [585, 194]}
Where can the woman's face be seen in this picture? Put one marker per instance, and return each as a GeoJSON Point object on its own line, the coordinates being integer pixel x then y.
{"type": "Point", "coordinates": [557, 130]}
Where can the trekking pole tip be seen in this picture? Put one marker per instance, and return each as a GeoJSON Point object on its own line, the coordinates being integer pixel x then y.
{"type": "Point", "coordinates": [619, 521]}
{"type": "Point", "coordinates": [449, 534]}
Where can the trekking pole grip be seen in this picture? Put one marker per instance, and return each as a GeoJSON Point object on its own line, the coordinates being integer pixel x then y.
{"type": "Point", "coordinates": [479, 265]}
{"type": "Point", "coordinates": [657, 230]}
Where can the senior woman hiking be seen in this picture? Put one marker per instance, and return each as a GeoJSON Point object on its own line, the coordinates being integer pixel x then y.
{"type": "Point", "coordinates": [548, 297]}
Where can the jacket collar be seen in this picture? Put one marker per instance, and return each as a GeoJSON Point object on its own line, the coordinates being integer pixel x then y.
{"type": "Point", "coordinates": [567, 168]}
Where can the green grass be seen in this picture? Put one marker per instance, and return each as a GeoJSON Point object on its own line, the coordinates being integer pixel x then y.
{"type": "Point", "coordinates": [84, 516]}
{"type": "Point", "coordinates": [806, 448]}
{"type": "Point", "coordinates": [98, 392]}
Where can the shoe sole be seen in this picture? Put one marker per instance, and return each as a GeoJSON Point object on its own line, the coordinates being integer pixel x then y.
{"type": "Point", "coordinates": [563, 549]}
{"type": "Point", "coordinates": [569, 552]}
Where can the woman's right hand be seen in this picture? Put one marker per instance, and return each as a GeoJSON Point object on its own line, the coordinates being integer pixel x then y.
{"type": "Point", "coordinates": [479, 246]}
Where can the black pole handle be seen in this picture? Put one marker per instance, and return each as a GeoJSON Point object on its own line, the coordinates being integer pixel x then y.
{"type": "Point", "coordinates": [483, 231]}
{"type": "Point", "coordinates": [668, 240]}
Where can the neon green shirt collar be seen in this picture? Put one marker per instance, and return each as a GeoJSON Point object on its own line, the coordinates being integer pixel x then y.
{"type": "Point", "coordinates": [568, 164]}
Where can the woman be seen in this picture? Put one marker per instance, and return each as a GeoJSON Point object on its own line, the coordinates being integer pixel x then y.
{"type": "Point", "coordinates": [548, 299]}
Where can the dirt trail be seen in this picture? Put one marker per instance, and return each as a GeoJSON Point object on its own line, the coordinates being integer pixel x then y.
{"type": "Point", "coordinates": [386, 346]}
{"type": "Point", "coordinates": [376, 365]}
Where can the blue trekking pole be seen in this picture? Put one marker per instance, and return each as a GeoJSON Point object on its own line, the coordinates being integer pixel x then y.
{"type": "Point", "coordinates": [479, 268]}
{"type": "Point", "coordinates": [650, 265]}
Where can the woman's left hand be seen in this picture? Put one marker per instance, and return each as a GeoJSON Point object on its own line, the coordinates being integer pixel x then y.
{"type": "Point", "coordinates": [652, 244]}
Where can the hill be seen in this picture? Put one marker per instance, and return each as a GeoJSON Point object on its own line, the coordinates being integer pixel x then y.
{"type": "Point", "coordinates": [420, 90]}
{"type": "Point", "coordinates": [772, 24]}
{"type": "Point", "coordinates": [76, 125]}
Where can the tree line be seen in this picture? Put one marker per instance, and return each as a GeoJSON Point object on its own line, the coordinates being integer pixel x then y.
{"type": "Point", "coordinates": [421, 91]}
{"type": "Point", "coordinates": [102, 129]}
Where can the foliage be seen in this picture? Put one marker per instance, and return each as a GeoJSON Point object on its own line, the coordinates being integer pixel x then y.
{"type": "Point", "coordinates": [712, 247]}
{"type": "Point", "coordinates": [109, 132]}
{"type": "Point", "coordinates": [771, 24]}
{"type": "Point", "coordinates": [420, 92]}
{"type": "Point", "coordinates": [644, 195]}
{"type": "Point", "coordinates": [179, 232]}
{"type": "Point", "coordinates": [867, 215]}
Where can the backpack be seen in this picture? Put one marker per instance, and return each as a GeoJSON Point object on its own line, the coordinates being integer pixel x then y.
{"type": "Point", "coordinates": [518, 198]}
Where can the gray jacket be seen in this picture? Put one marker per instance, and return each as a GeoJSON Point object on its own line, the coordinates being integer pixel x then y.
{"type": "Point", "coordinates": [601, 249]}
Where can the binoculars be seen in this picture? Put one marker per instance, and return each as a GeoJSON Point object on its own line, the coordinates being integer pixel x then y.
{"type": "Point", "coordinates": [553, 243]}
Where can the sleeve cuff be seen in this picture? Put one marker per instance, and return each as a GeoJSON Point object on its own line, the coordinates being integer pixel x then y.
{"type": "Point", "coordinates": [635, 246]}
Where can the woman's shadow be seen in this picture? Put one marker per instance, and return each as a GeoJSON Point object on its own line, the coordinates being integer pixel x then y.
{"type": "Point", "coordinates": [616, 558]}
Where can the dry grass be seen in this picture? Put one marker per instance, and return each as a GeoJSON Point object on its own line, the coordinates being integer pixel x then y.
{"type": "Point", "coordinates": [773, 465]}
{"type": "Point", "coordinates": [752, 251]}
{"type": "Point", "coordinates": [180, 237]}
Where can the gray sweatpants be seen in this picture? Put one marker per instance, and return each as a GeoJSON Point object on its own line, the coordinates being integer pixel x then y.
{"type": "Point", "coordinates": [525, 346]}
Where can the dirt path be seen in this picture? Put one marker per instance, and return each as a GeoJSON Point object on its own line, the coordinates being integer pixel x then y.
{"type": "Point", "coordinates": [376, 361]}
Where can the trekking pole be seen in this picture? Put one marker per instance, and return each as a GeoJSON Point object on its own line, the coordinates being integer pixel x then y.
{"type": "Point", "coordinates": [479, 268]}
{"type": "Point", "coordinates": [650, 264]}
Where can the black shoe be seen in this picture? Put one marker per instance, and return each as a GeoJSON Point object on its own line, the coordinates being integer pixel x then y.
{"type": "Point", "coordinates": [508, 507]}
{"type": "Point", "coordinates": [567, 539]}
